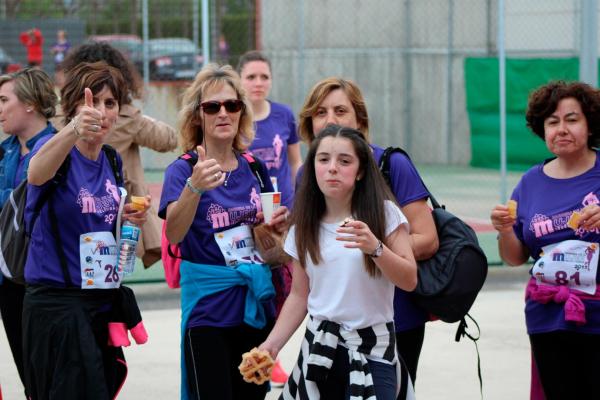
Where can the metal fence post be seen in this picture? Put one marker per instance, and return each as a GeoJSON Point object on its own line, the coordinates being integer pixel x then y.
{"type": "Point", "coordinates": [502, 79]}
{"type": "Point", "coordinates": [588, 58]}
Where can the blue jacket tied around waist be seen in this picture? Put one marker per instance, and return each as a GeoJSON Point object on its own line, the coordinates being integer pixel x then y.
{"type": "Point", "coordinates": [201, 280]}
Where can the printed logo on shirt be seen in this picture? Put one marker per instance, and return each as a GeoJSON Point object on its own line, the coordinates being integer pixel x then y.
{"type": "Point", "coordinates": [219, 217]}
{"type": "Point", "coordinates": [542, 225]}
{"type": "Point", "coordinates": [271, 156]}
{"type": "Point", "coordinates": [99, 204]}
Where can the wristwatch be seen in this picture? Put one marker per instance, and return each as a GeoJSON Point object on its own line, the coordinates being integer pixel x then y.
{"type": "Point", "coordinates": [378, 250]}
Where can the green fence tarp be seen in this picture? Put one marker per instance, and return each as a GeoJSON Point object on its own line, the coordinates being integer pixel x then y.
{"type": "Point", "coordinates": [523, 148]}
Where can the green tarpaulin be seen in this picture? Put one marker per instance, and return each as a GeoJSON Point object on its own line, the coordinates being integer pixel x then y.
{"type": "Point", "coordinates": [483, 107]}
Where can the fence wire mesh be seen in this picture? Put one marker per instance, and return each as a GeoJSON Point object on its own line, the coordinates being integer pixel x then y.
{"type": "Point", "coordinates": [409, 57]}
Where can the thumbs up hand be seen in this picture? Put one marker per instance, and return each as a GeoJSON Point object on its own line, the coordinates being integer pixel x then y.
{"type": "Point", "coordinates": [207, 173]}
{"type": "Point", "coordinates": [88, 121]}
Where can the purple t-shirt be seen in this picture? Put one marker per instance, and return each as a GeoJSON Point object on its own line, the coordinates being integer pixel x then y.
{"type": "Point", "coordinates": [545, 205]}
{"type": "Point", "coordinates": [219, 209]}
{"type": "Point", "coordinates": [407, 188]}
{"type": "Point", "coordinates": [87, 201]}
{"type": "Point", "coordinates": [273, 135]}
{"type": "Point", "coordinates": [20, 167]}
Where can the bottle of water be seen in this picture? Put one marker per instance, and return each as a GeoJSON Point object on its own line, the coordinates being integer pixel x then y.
{"type": "Point", "coordinates": [130, 234]}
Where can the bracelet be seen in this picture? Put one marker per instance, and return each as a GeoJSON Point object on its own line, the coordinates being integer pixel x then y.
{"type": "Point", "coordinates": [188, 183]}
{"type": "Point", "coordinates": [75, 122]}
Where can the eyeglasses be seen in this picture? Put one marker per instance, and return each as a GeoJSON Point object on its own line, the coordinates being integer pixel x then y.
{"type": "Point", "coordinates": [213, 107]}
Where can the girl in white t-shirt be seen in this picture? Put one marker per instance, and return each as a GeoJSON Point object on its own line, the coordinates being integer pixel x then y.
{"type": "Point", "coordinates": [350, 245]}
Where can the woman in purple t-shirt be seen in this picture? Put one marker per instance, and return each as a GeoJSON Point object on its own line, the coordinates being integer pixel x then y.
{"type": "Point", "coordinates": [557, 223]}
{"type": "Point", "coordinates": [276, 141]}
{"type": "Point", "coordinates": [210, 208]}
{"type": "Point", "coordinates": [73, 280]}
{"type": "Point", "coordinates": [339, 101]}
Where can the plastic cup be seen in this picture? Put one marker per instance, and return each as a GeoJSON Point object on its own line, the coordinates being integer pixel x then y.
{"type": "Point", "coordinates": [270, 202]}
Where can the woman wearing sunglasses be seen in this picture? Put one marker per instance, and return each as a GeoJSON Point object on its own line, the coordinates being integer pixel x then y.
{"type": "Point", "coordinates": [210, 208]}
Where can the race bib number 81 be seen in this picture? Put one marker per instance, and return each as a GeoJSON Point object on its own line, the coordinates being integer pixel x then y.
{"type": "Point", "coordinates": [573, 263]}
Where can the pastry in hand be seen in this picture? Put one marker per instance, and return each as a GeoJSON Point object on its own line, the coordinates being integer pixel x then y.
{"type": "Point", "coordinates": [256, 366]}
{"type": "Point", "coordinates": [574, 220]}
{"type": "Point", "coordinates": [512, 208]}
{"type": "Point", "coordinates": [139, 203]}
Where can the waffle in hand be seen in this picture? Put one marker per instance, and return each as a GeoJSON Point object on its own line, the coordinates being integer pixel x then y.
{"type": "Point", "coordinates": [256, 366]}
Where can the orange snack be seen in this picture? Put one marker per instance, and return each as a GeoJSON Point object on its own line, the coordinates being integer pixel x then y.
{"type": "Point", "coordinates": [256, 366]}
{"type": "Point", "coordinates": [574, 220]}
{"type": "Point", "coordinates": [139, 203]}
{"type": "Point", "coordinates": [512, 208]}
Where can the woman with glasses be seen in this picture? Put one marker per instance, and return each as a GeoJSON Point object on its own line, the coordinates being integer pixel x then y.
{"type": "Point", "coordinates": [27, 102]}
{"type": "Point", "coordinates": [339, 101]}
{"type": "Point", "coordinates": [210, 201]}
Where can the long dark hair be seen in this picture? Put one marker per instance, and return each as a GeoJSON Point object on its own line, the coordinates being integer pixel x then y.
{"type": "Point", "coordinates": [370, 192]}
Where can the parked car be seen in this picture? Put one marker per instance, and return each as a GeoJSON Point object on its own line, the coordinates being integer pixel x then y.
{"type": "Point", "coordinates": [127, 44]}
{"type": "Point", "coordinates": [171, 59]}
{"type": "Point", "coordinates": [7, 64]}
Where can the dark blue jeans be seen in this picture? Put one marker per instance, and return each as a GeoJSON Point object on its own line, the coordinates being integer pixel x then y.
{"type": "Point", "coordinates": [337, 385]}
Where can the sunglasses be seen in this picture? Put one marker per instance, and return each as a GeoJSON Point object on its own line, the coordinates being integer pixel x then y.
{"type": "Point", "coordinates": [213, 107]}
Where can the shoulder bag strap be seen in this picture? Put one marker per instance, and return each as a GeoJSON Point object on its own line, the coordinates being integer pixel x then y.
{"type": "Point", "coordinates": [384, 167]}
{"type": "Point", "coordinates": [111, 155]}
{"type": "Point", "coordinates": [255, 166]}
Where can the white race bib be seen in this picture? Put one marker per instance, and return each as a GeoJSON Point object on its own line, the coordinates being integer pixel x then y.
{"type": "Point", "coordinates": [572, 262]}
{"type": "Point", "coordinates": [98, 260]}
{"type": "Point", "coordinates": [237, 246]}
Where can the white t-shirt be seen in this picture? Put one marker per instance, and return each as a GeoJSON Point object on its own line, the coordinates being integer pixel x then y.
{"type": "Point", "coordinates": [341, 290]}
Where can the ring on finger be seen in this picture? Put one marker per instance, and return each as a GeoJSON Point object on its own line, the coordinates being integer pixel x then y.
{"type": "Point", "coordinates": [216, 176]}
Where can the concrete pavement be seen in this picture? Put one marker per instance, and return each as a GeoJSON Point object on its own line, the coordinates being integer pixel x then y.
{"type": "Point", "coordinates": [447, 370]}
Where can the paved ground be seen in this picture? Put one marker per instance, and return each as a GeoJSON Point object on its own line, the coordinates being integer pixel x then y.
{"type": "Point", "coordinates": [447, 370]}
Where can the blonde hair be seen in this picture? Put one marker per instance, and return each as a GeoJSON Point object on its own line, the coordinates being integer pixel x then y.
{"type": "Point", "coordinates": [210, 77]}
{"type": "Point", "coordinates": [33, 87]}
{"type": "Point", "coordinates": [316, 96]}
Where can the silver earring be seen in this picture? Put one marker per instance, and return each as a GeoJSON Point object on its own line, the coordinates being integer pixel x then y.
{"type": "Point", "coordinates": [29, 110]}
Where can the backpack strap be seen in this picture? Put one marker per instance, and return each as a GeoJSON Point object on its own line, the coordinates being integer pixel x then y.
{"type": "Point", "coordinates": [385, 165]}
{"type": "Point", "coordinates": [462, 331]}
{"type": "Point", "coordinates": [191, 158]}
{"type": "Point", "coordinates": [111, 155]}
{"type": "Point", "coordinates": [256, 168]}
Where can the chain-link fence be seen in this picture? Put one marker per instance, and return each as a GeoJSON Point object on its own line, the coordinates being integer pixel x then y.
{"type": "Point", "coordinates": [428, 68]}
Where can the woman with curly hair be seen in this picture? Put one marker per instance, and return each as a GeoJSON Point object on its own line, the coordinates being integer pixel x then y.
{"type": "Point", "coordinates": [557, 223]}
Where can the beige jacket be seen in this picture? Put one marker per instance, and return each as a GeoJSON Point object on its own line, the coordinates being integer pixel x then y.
{"type": "Point", "coordinates": [133, 129]}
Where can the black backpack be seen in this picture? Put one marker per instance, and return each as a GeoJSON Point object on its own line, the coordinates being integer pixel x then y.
{"type": "Point", "coordinates": [14, 240]}
{"type": "Point", "coordinates": [448, 282]}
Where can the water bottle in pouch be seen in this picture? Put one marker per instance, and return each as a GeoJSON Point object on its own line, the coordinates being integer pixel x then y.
{"type": "Point", "coordinates": [130, 234]}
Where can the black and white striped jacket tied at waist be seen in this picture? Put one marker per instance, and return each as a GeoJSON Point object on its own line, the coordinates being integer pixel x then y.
{"type": "Point", "coordinates": [318, 349]}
